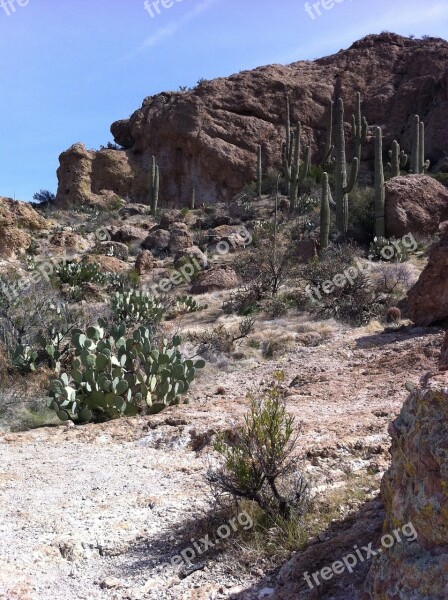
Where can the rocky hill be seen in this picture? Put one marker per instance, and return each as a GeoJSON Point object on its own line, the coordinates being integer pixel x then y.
{"type": "Point", "coordinates": [207, 137]}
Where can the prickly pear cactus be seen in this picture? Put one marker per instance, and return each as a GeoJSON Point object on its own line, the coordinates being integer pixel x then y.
{"type": "Point", "coordinates": [120, 373]}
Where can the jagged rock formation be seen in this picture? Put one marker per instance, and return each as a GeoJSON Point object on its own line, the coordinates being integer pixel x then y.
{"type": "Point", "coordinates": [428, 299]}
{"type": "Point", "coordinates": [414, 490]}
{"type": "Point", "coordinates": [207, 138]}
{"type": "Point", "coordinates": [415, 204]}
{"type": "Point", "coordinates": [17, 220]}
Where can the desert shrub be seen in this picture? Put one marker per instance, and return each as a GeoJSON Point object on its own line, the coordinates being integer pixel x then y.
{"type": "Point", "coordinates": [393, 315]}
{"type": "Point", "coordinates": [361, 211]}
{"type": "Point", "coordinates": [276, 307]}
{"type": "Point", "coordinates": [264, 269]}
{"type": "Point", "coordinates": [120, 282]}
{"type": "Point", "coordinates": [221, 339]}
{"type": "Point", "coordinates": [442, 178]}
{"type": "Point", "coordinates": [354, 301]}
{"type": "Point", "coordinates": [392, 278]}
{"type": "Point", "coordinates": [269, 184]}
{"type": "Point", "coordinates": [118, 372]}
{"type": "Point", "coordinates": [35, 330]}
{"type": "Point", "coordinates": [44, 197]}
{"type": "Point", "coordinates": [258, 462]}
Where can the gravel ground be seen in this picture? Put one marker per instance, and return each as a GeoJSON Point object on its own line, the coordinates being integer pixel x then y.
{"type": "Point", "coordinates": [93, 512]}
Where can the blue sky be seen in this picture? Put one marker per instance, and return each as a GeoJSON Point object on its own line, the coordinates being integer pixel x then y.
{"type": "Point", "coordinates": [69, 68]}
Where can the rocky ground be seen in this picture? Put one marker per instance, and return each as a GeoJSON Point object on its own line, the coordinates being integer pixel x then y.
{"type": "Point", "coordinates": [95, 511]}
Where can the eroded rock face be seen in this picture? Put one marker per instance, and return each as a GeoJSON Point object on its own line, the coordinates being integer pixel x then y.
{"type": "Point", "coordinates": [208, 137]}
{"type": "Point", "coordinates": [17, 219]}
{"type": "Point", "coordinates": [428, 298]}
{"type": "Point", "coordinates": [415, 204]}
{"type": "Point", "coordinates": [414, 490]}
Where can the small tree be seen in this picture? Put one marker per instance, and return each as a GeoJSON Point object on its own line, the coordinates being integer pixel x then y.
{"type": "Point", "coordinates": [44, 197]}
{"type": "Point", "coordinates": [258, 463]}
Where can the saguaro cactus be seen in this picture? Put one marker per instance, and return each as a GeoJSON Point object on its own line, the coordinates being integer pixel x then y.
{"type": "Point", "coordinates": [380, 225]}
{"type": "Point", "coordinates": [398, 159]}
{"type": "Point", "coordinates": [297, 173]}
{"type": "Point", "coordinates": [154, 182]}
{"type": "Point", "coordinates": [259, 171]}
{"type": "Point", "coordinates": [329, 140]}
{"type": "Point", "coordinates": [359, 128]}
{"type": "Point", "coordinates": [325, 213]}
{"type": "Point", "coordinates": [291, 150]}
{"type": "Point", "coordinates": [418, 163]}
{"type": "Point", "coordinates": [193, 198]}
{"type": "Point", "coordinates": [341, 187]}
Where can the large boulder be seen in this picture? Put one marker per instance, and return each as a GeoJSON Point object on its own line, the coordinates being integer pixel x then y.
{"type": "Point", "coordinates": [209, 135]}
{"type": "Point", "coordinates": [144, 262]}
{"type": "Point", "coordinates": [415, 493]}
{"type": "Point", "coordinates": [216, 279]}
{"type": "Point", "coordinates": [415, 204]}
{"type": "Point", "coordinates": [157, 240]}
{"type": "Point", "coordinates": [180, 238]}
{"type": "Point", "coordinates": [428, 298]}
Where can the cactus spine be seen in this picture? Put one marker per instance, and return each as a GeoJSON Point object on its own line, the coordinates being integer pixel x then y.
{"type": "Point", "coordinates": [380, 227]}
{"type": "Point", "coordinates": [342, 187]}
{"type": "Point", "coordinates": [259, 171]}
{"type": "Point", "coordinates": [398, 159]}
{"type": "Point", "coordinates": [418, 163]}
{"type": "Point", "coordinates": [325, 213]}
{"type": "Point", "coordinates": [359, 128]}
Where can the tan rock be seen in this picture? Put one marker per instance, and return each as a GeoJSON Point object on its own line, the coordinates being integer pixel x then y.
{"type": "Point", "coordinates": [144, 262]}
{"type": "Point", "coordinates": [220, 278]}
{"type": "Point", "coordinates": [415, 204]}
{"type": "Point", "coordinates": [428, 298]}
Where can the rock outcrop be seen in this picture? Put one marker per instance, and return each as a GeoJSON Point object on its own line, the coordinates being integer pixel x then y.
{"type": "Point", "coordinates": [17, 220]}
{"type": "Point", "coordinates": [415, 204]}
{"type": "Point", "coordinates": [415, 490]}
{"type": "Point", "coordinates": [428, 298]}
{"type": "Point", "coordinates": [208, 137]}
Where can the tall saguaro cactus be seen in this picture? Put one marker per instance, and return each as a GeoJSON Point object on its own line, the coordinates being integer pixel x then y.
{"type": "Point", "coordinates": [325, 212]}
{"type": "Point", "coordinates": [298, 173]}
{"type": "Point", "coordinates": [259, 171]}
{"type": "Point", "coordinates": [291, 150]}
{"type": "Point", "coordinates": [380, 223]}
{"type": "Point", "coordinates": [342, 187]}
{"type": "Point", "coordinates": [398, 159]}
{"type": "Point", "coordinates": [329, 139]}
{"type": "Point", "coordinates": [154, 183]}
{"type": "Point", "coordinates": [418, 163]}
{"type": "Point", "coordinates": [359, 127]}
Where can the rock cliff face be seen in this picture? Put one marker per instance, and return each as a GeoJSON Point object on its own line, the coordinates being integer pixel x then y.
{"type": "Point", "coordinates": [414, 490]}
{"type": "Point", "coordinates": [208, 137]}
{"type": "Point", "coordinates": [428, 298]}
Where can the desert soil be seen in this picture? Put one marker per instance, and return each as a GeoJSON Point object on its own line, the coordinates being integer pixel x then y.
{"type": "Point", "coordinates": [94, 512]}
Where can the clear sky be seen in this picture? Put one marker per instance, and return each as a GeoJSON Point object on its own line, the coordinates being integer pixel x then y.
{"type": "Point", "coordinates": [69, 68]}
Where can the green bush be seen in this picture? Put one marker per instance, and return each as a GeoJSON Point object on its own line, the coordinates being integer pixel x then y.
{"type": "Point", "coordinates": [120, 373]}
{"type": "Point", "coordinates": [258, 462]}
